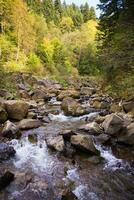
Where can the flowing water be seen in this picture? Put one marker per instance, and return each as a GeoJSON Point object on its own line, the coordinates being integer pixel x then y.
{"type": "Point", "coordinates": [42, 174]}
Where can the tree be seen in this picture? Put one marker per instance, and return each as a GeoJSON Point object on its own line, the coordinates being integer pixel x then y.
{"type": "Point", "coordinates": [66, 24]}
{"type": "Point", "coordinates": [22, 23]}
{"type": "Point", "coordinates": [58, 7]}
{"type": "Point", "coordinates": [85, 11]}
{"type": "Point", "coordinates": [117, 41]}
{"type": "Point", "coordinates": [92, 13]}
{"type": "Point", "coordinates": [48, 10]}
{"type": "Point", "coordinates": [35, 5]}
{"type": "Point", "coordinates": [5, 12]}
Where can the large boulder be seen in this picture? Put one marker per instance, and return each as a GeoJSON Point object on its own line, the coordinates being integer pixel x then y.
{"type": "Point", "coordinates": [87, 91]}
{"type": "Point", "coordinates": [67, 134]}
{"type": "Point", "coordinates": [84, 143]}
{"type": "Point", "coordinates": [16, 109]}
{"type": "Point", "coordinates": [5, 179]}
{"type": "Point", "coordinates": [128, 106]}
{"type": "Point", "coordinates": [68, 93]}
{"type": "Point", "coordinates": [56, 143]}
{"type": "Point", "coordinates": [72, 107]}
{"type": "Point", "coordinates": [128, 136]}
{"type": "Point", "coordinates": [6, 151]}
{"type": "Point", "coordinates": [91, 128]}
{"type": "Point", "coordinates": [10, 130]}
{"type": "Point", "coordinates": [113, 124]}
{"type": "Point", "coordinates": [29, 124]}
{"type": "Point", "coordinates": [3, 115]}
{"type": "Point", "coordinates": [101, 104]}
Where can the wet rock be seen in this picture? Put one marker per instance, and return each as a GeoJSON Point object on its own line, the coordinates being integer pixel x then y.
{"type": "Point", "coordinates": [56, 143]}
{"type": "Point", "coordinates": [33, 138]}
{"type": "Point", "coordinates": [91, 128]}
{"type": "Point", "coordinates": [72, 107]}
{"type": "Point", "coordinates": [113, 124]}
{"type": "Point", "coordinates": [32, 104]}
{"type": "Point", "coordinates": [101, 104]}
{"type": "Point", "coordinates": [5, 94]}
{"type": "Point", "coordinates": [95, 159]}
{"type": "Point", "coordinates": [2, 104]}
{"type": "Point", "coordinates": [24, 94]}
{"type": "Point", "coordinates": [67, 134]}
{"type": "Point", "coordinates": [6, 179]}
{"type": "Point", "coordinates": [68, 195]}
{"type": "Point", "coordinates": [49, 84]}
{"type": "Point", "coordinates": [84, 143]}
{"type": "Point", "coordinates": [39, 94]}
{"type": "Point", "coordinates": [115, 108]}
{"type": "Point", "coordinates": [87, 91]}
{"type": "Point", "coordinates": [103, 138]}
{"type": "Point", "coordinates": [6, 151]}
{"type": "Point", "coordinates": [30, 79]}
{"type": "Point", "coordinates": [69, 150]}
{"type": "Point", "coordinates": [100, 119]}
{"type": "Point", "coordinates": [3, 115]}
{"type": "Point", "coordinates": [68, 93]}
{"type": "Point", "coordinates": [128, 106]}
{"type": "Point", "coordinates": [31, 115]}
{"type": "Point", "coordinates": [46, 119]}
{"type": "Point", "coordinates": [16, 109]}
{"type": "Point", "coordinates": [29, 124]}
{"type": "Point", "coordinates": [128, 136]}
{"type": "Point", "coordinates": [10, 130]}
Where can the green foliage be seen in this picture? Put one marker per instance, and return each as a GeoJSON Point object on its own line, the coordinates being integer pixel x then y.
{"type": "Point", "coordinates": [88, 13]}
{"type": "Point", "coordinates": [66, 24]}
{"type": "Point", "coordinates": [117, 41]}
{"type": "Point", "coordinates": [87, 63]}
{"type": "Point", "coordinates": [34, 64]}
{"type": "Point", "coordinates": [45, 37]}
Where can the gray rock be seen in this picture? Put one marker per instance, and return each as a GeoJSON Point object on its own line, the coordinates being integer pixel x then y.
{"type": "Point", "coordinates": [67, 134]}
{"type": "Point", "coordinates": [6, 179]}
{"type": "Point", "coordinates": [128, 136]}
{"type": "Point", "coordinates": [68, 93]}
{"type": "Point", "coordinates": [72, 107]}
{"type": "Point", "coordinates": [10, 130]}
{"type": "Point", "coordinates": [95, 159]}
{"type": "Point", "coordinates": [103, 138]}
{"type": "Point", "coordinates": [6, 151]}
{"type": "Point", "coordinates": [91, 128]}
{"type": "Point", "coordinates": [128, 106]}
{"type": "Point", "coordinates": [3, 115]}
{"type": "Point", "coordinates": [16, 109]}
{"type": "Point", "coordinates": [87, 91]}
{"type": "Point", "coordinates": [113, 124]}
{"type": "Point", "coordinates": [56, 143]}
{"type": "Point", "coordinates": [84, 143]}
{"type": "Point", "coordinates": [29, 124]}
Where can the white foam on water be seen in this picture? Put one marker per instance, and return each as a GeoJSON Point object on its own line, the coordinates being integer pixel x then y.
{"type": "Point", "coordinates": [63, 118]}
{"type": "Point", "coordinates": [111, 161]}
{"type": "Point", "coordinates": [32, 155]}
{"type": "Point", "coordinates": [82, 193]}
{"type": "Point", "coordinates": [72, 174]}
{"type": "Point", "coordinates": [54, 101]}
{"type": "Point", "coordinates": [60, 117]}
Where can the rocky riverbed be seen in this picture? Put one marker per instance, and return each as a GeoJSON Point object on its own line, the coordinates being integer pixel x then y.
{"type": "Point", "coordinates": [71, 143]}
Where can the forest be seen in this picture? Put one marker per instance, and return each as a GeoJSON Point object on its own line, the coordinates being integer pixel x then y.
{"type": "Point", "coordinates": [50, 38]}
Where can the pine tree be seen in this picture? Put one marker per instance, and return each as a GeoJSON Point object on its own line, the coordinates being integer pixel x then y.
{"type": "Point", "coordinates": [48, 10]}
{"type": "Point", "coordinates": [86, 12]}
{"type": "Point", "coordinates": [92, 13]}
{"type": "Point", "coordinates": [58, 7]}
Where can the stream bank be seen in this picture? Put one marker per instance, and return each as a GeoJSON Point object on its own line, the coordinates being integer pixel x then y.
{"type": "Point", "coordinates": [72, 143]}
